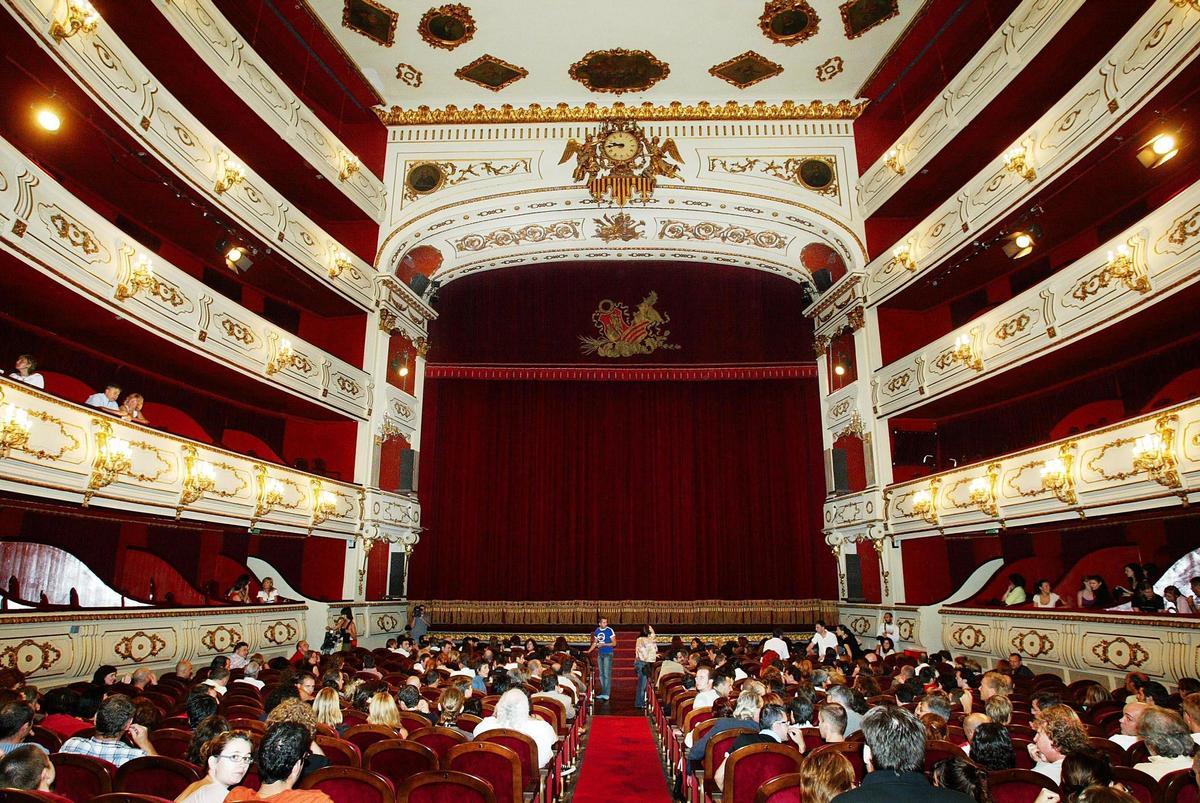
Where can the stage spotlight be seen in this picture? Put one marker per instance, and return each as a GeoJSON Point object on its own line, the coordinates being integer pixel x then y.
{"type": "Point", "coordinates": [1020, 243]}
{"type": "Point", "coordinates": [48, 119]}
{"type": "Point", "coordinates": [238, 257]}
{"type": "Point", "coordinates": [840, 370]}
{"type": "Point", "coordinates": [1159, 150]}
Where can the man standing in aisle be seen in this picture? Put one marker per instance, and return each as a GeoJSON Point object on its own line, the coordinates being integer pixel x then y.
{"type": "Point", "coordinates": [603, 641]}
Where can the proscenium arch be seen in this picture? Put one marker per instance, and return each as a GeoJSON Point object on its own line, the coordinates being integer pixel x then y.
{"type": "Point", "coordinates": [735, 228]}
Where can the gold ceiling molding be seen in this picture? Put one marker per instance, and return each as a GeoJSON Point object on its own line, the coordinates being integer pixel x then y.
{"type": "Point", "coordinates": [592, 112]}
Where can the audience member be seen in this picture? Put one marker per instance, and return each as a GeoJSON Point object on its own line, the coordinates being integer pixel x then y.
{"type": "Point", "coordinates": [240, 656]}
{"type": "Point", "coordinates": [994, 683]}
{"type": "Point", "coordinates": [1083, 768]}
{"type": "Point", "coordinates": [105, 675]}
{"type": "Point", "coordinates": [969, 724]}
{"type": "Point", "coordinates": [106, 399]}
{"type": "Point", "coordinates": [27, 767]}
{"type": "Point", "coordinates": [1015, 594]}
{"type": "Point", "coordinates": [227, 757]}
{"type": "Point", "coordinates": [824, 776]}
{"type": "Point", "coordinates": [773, 729]}
{"type": "Point", "coordinates": [960, 775]}
{"type": "Point", "coordinates": [512, 712]}
{"type": "Point", "coordinates": [206, 730]}
{"type": "Point", "coordinates": [935, 727]}
{"type": "Point", "coordinates": [705, 694]}
{"type": "Point", "coordinates": [777, 645]}
{"type": "Point", "coordinates": [1019, 670]}
{"type": "Point", "coordinates": [831, 723]}
{"type": "Point", "coordinates": [382, 710]}
{"type": "Point", "coordinates": [853, 703]}
{"type": "Point", "coordinates": [1168, 741]}
{"type": "Point", "coordinates": [267, 593]}
{"type": "Point", "coordinates": [1130, 717]}
{"type": "Point", "coordinates": [1154, 693]}
{"type": "Point", "coordinates": [113, 721]}
{"type": "Point", "coordinates": [327, 710]}
{"type": "Point", "coordinates": [1044, 596]}
{"type": "Point", "coordinates": [1176, 602]}
{"type": "Point", "coordinates": [250, 674]}
{"type": "Point", "coordinates": [16, 723]}
{"type": "Point", "coordinates": [999, 709]}
{"type": "Point", "coordinates": [26, 371]}
{"type": "Point", "coordinates": [1146, 600]}
{"type": "Point", "coordinates": [61, 706]}
{"type": "Point", "coordinates": [823, 641]}
{"type": "Point", "coordinates": [131, 409]}
{"type": "Point", "coordinates": [991, 747]}
{"type": "Point", "coordinates": [550, 690]}
{"type": "Point", "coordinates": [281, 758]}
{"type": "Point", "coordinates": [1057, 732]}
{"type": "Point", "coordinates": [1094, 594]}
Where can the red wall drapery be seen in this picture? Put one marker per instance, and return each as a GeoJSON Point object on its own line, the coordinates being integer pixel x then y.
{"type": "Point", "coordinates": [626, 490]}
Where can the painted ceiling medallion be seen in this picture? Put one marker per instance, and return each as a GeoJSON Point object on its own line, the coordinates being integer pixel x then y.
{"type": "Point", "coordinates": [447, 26]}
{"type": "Point", "coordinates": [830, 68]}
{"type": "Point", "coordinates": [746, 70]}
{"type": "Point", "coordinates": [860, 16]}
{"type": "Point", "coordinates": [619, 70]}
{"type": "Point", "coordinates": [491, 73]}
{"type": "Point", "coordinates": [788, 22]}
{"type": "Point", "coordinates": [409, 74]}
{"type": "Point", "coordinates": [373, 20]}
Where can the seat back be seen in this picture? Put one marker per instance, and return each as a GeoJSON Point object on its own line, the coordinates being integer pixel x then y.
{"type": "Point", "coordinates": [350, 785]}
{"type": "Point", "coordinates": [936, 750]}
{"type": "Point", "coordinates": [412, 721]}
{"type": "Point", "coordinates": [399, 759]}
{"type": "Point", "coordinates": [780, 789]}
{"type": "Point", "coordinates": [749, 767]}
{"type": "Point", "coordinates": [439, 740]}
{"type": "Point", "coordinates": [719, 745]}
{"type": "Point", "coordinates": [171, 742]}
{"type": "Point", "coordinates": [31, 796]}
{"type": "Point", "coordinates": [82, 777]}
{"type": "Point", "coordinates": [1142, 786]}
{"type": "Point", "coordinates": [445, 786]}
{"type": "Point", "coordinates": [363, 736]}
{"type": "Point", "coordinates": [46, 738]}
{"type": "Point", "coordinates": [1179, 787]}
{"type": "Point", "coordinates": [340, 752]}
{"type": "Point", "coordinates": [494, 763]}
{"type": "Point", "coordinates": [853, 751]}
{"type": "Point", "coordinates": [520, 743]}
{"type": "Point", "coordinates": [1116, 754]}
{"type": "Point", "coordinates": [129, 797]}
{"type": "Point", "coordinates": [156, 775]}
{"type": "Point", "coordinates": [1139, 753]}
{"type": "Point", "coordinates": [1018, 786]}
{"type": "Point", "coordinates": [1021, 756]}
{"type": "Point", "coordinates": [694, 717]}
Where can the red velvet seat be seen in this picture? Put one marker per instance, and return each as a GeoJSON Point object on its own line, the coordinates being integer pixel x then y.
{"type": "Point", "coordinates": [25, 796]}
{"type": "Point", "coordinates": [715, 751]}
{"type": "Point", "coordinates": [439, 740]}
{"type": "Point", "coordinates": [350, 785]}
{"type": "Point", "coordinates": [521, 744]}
{"type": "Point", "coordinates": [247, 724]}
{"type": "Point", "coordinates": [241, 711]}
{"type": "Point", "coordinates": [853, 753]}
{"type": "Point", "coordinates": [363, 736]}
{"type": "Point", "coordinates": [494, 763]}
{"type": "Point", "coordinates": [130, 797]}
{"type": "Point", "coordinates": [445, 787]}
{"type": "Point", "coordinates": [936, 750]}
{"type": "Point", "coordinates": [1179, 787]}
{"type": "Point", "coordinates": [1018, 786]}
{"type": "Point", "coordinates": [156, 775]}
{"type": "Point", "coordinates": [412, 721]}
{"type": "Point", "coordinates": [1139, 753]}
{"type": "Point", "coordinates": [780, 789]}
{"type": "Point", "coordinates": [1116, 754]}
{"type": "Point", "coordinates": [340, 752]}
{"type": "Point", "coordinates": [1142, 786]}
{"type": "Point", "coordinates": [749, 767]}
{"type": "Point", "coordinates": [468, 722]}
{"type": "Point", "coordinates": [171, 742]}
{"type": "Point", "coordinates": [399, 759]}
{"type": "Point", "coordinates": [82, 778]}
{"type": "Point", "coordinates": [1021, 755]}
{"type": "Point", "coordinates": [46, 738]}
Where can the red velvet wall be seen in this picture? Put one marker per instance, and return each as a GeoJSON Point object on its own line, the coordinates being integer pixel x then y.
{"type": "Point", "coordinates": [868, 563]}
{"type": "Point", "coordinates": [377, 572]}
{"type": "Point", "coordinates": [657, 490]}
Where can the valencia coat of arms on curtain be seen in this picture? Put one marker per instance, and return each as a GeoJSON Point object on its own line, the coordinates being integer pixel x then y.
{"type": "Point", "coordinates": [624, 336]}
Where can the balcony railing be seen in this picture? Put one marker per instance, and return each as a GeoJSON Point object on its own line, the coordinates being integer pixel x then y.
{"type": "Point", "coordinates": [60, 235]}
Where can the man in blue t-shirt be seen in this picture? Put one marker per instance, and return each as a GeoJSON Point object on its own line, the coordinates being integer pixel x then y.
{"type": "Point", "coordinates": [603, 640]}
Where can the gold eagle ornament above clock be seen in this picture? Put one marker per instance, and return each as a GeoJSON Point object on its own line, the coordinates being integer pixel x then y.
{"type": "Point", "coordinates": [619, 161]}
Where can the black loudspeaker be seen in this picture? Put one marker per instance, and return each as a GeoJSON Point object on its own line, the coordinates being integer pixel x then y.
{"type": "Point", "coordinates": [408, 471]}
{"type": "Point", "coordinates": [419, 282]}
{"type": "Point", "coordinates": [853, 578]}
{"type": "Point", "coordinates": [841, 471]}
{"type": "Point", "coordinates": [396, 574]}
{"type": "Point", "coordinates": [823, 279]}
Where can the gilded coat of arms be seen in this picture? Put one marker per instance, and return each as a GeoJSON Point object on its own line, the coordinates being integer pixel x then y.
{"type": "Point", "coordinates": [623, 336]}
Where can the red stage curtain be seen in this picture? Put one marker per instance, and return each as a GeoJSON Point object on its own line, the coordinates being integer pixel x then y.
{"type": "Point", "coordinates": [642, 490]}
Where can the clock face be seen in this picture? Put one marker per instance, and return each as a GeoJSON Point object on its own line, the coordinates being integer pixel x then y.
{"type": "Point", "coordinates": [621, 146]}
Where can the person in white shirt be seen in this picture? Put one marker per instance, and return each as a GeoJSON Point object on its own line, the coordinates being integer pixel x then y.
{"type": "Point", "coordinates": [1044, 597]}
{"type": "Point", "coordinates": [887, 629]}
{"type": "Point", "coordinates": [250, 675]}
{"type": "Point", "coordinates": [822, 641]}
{"type": "Point", "coordinates": [240, 656]}
{"type": "Point", "coordinates": [776, 643]}
{"type": "Point", "coordinates": [217, 679]}
{"type": "Point", "coordinates": [719, 687]}
{"type": "Point", "coordinates": [107, 399]}
{"type": "Point", "coordinates": [704, 688]}
{"type": "Point", "coordinates": [1058, 733]}
{"type": "Point", "coordinates": [1131, 716]}
{"type": "Point", "coordinates": [26, 371]}
{"type": "Point", "coordinates": [267, 593]}
{"type": "Point", "coordinates": [1168, 741]}
{"type": "Point", "coordinates": [512, 712]}
{"type": "Point", "coordinates": [1176, 602]}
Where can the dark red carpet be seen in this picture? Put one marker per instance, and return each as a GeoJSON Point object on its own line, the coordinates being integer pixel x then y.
{"type": "Point", "coordinates": [621, 763]}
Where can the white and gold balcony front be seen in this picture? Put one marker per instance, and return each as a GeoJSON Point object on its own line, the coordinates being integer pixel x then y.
{"type": "Point", "coordinates": [59, 235]}
{"type": "Point", "coordinates": [1151, 461]}
{"type": "Point", "coordinates": [53, 449]}
{"type": "Point", "coordinates": [1125, 276]}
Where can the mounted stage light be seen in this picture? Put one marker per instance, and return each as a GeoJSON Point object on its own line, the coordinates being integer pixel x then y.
{"type": "Point", "coordinates": [48, 119]}
{"type": "Point", "coordinates": [1021, 243]}
{"type": "Point", "coordinates": [1159, 150]}
{"type": "Point", "coordinates": [238, 257]}
{"type": "Point", "coordinates": [839, 369]}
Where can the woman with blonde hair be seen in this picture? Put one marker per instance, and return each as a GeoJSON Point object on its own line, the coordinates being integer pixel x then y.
{"type": "Point", "coordinates": [824, 776]}
{"type": "Point", "coordinates": [327, 708]}
{"type": "Point", "coordinates": [382, 710]}
{"type": "Point", "coordinates": [451, 707]}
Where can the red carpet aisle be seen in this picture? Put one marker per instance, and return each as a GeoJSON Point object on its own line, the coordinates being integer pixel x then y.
{"type": "Point", "coordinates": [621, 763]}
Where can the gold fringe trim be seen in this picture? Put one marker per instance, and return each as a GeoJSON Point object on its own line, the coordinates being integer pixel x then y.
{"type": "Point", "coordinates": [448, 613]}
{"type": "Point", "coordinates": [592, 112]}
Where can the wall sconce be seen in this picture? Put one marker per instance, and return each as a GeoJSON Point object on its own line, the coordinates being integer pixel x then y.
{"type": "Point", "coordinates": [14, 429]}
{"type": "Point", "coordinates": [924, 501]}
{"type": "Point", "coordinates": [199, 477]}
{"type": "Point", "coordinates": [1016, 161]}
{"type": "Point", "coordinates": [350, 166]}
{"type": "Point", "coordinates": [904, 258]}
{"type": "Point", "coordinates": [81, 18]}
{"type": "Point", "coordinates": [1057, 476]}
{"type": "Point", "coordinates": [1155, 453]}
{"type": "Point", "coordinates": [341, 262]}
{"type": "Point", "coordinates": [233, 174]}
{"type": "Point", "coordinates": [1121, 265]}
{"type": "Point", "coordinates": [1159, 150]}
{"type": "Point", "coordinates": [403, 369]}
{"type": "Point", "coordinates": [893, 162]}
{"type": "Point", "coordinates": [141, 277]}
{"type": "Point", "coordinates": [983, 491]}
{"type": "Point", "coordinates": [1019, 244]}
{"type": "Point", "coordinates": [283, 357]}
{"type": "Point", "coordinates": [324, 504]}
{"type": "Point", "coordinates": [114, 456]}
{"type": "Point", "coordinates": [966, 350]}
{"type": "Point", "coordinates": [270, 493]}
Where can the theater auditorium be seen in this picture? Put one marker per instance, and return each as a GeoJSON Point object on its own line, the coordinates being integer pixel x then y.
{"type": "Point", "coordinates": [536, 401]}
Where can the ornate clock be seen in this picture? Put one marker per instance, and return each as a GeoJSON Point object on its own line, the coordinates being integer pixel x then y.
{"type": "Point", "coordinates": [619, 161]}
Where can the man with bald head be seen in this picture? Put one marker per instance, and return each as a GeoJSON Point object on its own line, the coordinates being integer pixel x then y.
{"type": "Point", "coordinates": [1130, 718]}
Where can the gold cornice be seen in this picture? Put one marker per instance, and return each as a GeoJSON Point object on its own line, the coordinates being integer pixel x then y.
{"type": "Point", "coordinates": [20, 617]}
{"type": "Point", "coordinates": [591, 112]}
{"type": "Point", "coordinates": [1147, 620]}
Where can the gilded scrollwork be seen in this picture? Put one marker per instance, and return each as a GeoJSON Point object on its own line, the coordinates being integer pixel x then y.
{"type": "Point", "coordinates": [140, 646]}
{"type": "Point", "coordinates": [166, 464]}
{"type": "Point", "coordinates": [279, 633]}
{"type": "Point", "coordinates": [813, 172]}
{"type": "Point", "coordinates": [969, 637]}
{"type": "Point", "coordinates": [1121, 653]}
{"type": "Point", "coordinates": [1032, 643]}
{"type": "Point", "coordinates": [70, 442]}
{"type": "Point", "coordinates": [509, 237]}
{"type": "Point", "coordinates": [30, 657]}
{"type": "Point", "coordinates": [704, 231]}
{"type": "Point", "coordinates": [221, 638]}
